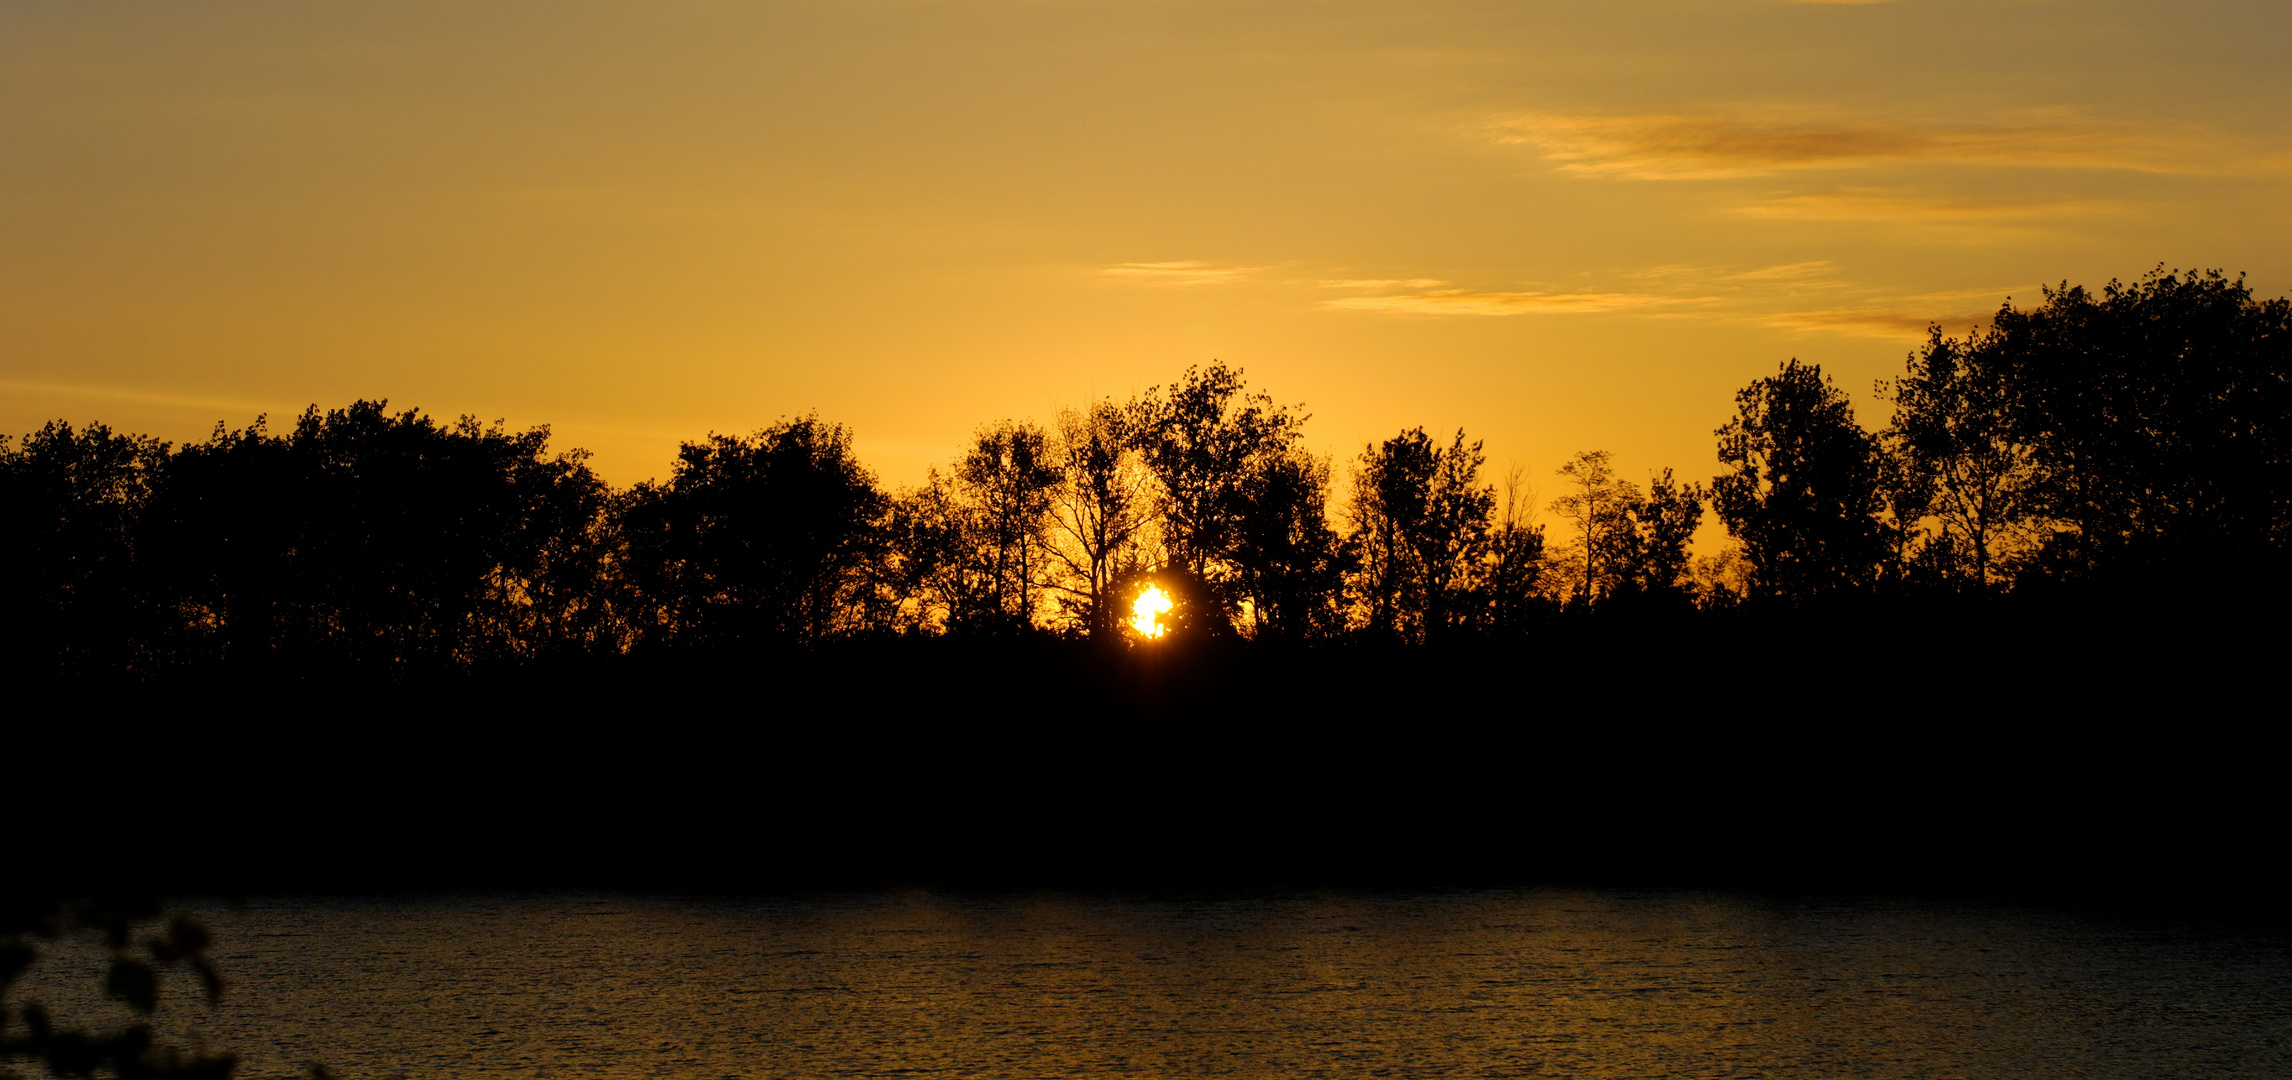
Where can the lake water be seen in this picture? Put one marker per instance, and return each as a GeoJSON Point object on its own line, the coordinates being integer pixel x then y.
{"type": "Point", "coordinates": [1474, 984]}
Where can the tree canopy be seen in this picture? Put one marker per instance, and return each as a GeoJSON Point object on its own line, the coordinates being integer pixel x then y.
{"type": "Point", "coordinates": [2107, 444]}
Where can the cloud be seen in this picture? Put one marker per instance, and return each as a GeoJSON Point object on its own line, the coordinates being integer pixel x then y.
{"type": "Point", "coordinates": [1857, 322]}
{"type": "Point", "coordinates": [1705, 146]}
{"type": "Point", "coordinates": [161, 398]}
{"type": "Point", "coordinates": [1462, 302]}
{"type": "Point", "coordinates": [1869, 205]}
{"type": "Point", "coordinates": [1178, 273]}
{"type": "Point", "coordinates": [1790, 272]}
{"type": "Point", "coordinates": [1899, 317]}
{"type": "Point", "coordinates": [1808, 296]}
{"type": "Point", "coordinates": [1380, 284]}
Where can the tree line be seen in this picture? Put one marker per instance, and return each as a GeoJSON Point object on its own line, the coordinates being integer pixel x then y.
{"type": "Point", "coordinates": [2133, 441]}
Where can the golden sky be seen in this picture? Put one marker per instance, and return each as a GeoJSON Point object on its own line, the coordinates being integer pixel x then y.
{"type": "Point", "coordinates": [1561, 226]}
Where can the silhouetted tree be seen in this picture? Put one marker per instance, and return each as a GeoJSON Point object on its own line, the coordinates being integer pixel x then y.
{"type": "Point", "coordinates": [414, 540]}
{"type": "Point", "coordinates": [1962, 459]}
{"type": "Point", "coordinates": [1651, 565]}
{"type": "Point", "coordinates": [1101, 514]}
{"type": "Point", "coordinates": [1392, 490]}
{"type": "Point", "coordinates": [1009, 475]}
{"type": "Point", "coordinates": [1291, 567]}
{"type": "Point", "coordinates": [2157, 421]}
{"type": "Point", "coordinates": [1600, 506]}
{"type": "Point", "coordinates": [1802, 493]}
{"type": "Point", "coordinates": [1720, 580]}
{"type": "Point", "coordinates": [1203, 439]}
{"type": "Point", "coordinates": [767, 537]}
{"type": "Point", "coordinates": [1515, 564]}
{"type": "Point", "coordinates": [70, 598]}
{"type": "Point", "coordinates": [221, 544]}
{"type": "Point", "coordinates": [1420, 519]}
{"type": "Point", "coordinates": [931, 569]}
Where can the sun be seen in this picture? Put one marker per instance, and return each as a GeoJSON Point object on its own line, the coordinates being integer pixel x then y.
{"type": "Point", "coordinates": [1146, 613]}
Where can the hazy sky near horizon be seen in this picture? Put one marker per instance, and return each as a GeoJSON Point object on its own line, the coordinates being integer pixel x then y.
{"type": "Point", "coordinates": [1560, 226]}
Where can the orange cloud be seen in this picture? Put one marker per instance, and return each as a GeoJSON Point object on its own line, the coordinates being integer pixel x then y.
{"type": "Point", "coordinates": [1898, 317]}
{"type": "Point", "coordinates": [1177, 273]}
{"type": "Point", "coordinates": [1867, 205]}
{"type": "Point", "coordinates": [1462, 302]}
{"type": "Point", "coordinates": [1704, 146]}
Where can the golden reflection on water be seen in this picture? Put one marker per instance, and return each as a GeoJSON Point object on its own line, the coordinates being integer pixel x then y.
{"type": "Point", "coordinates": [1493, 984]}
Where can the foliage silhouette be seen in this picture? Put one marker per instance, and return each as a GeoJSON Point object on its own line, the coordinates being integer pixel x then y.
{"type": "Point", "coordinates": [141, 941]}
{"type": "Point", "coordinates": [1600, 506]}
{"type": "Point", "coordinates": [1803, 491]}
{"type": "Point", "coordinates": [1434, 563]}
{"type": "Point", "coordinates": [1203, 438]}
{"type": "Point", "coordinates": [1651, 561]}
{"type": "Point", "coordinates": [2103, 451]}
{"type": "Point", "coordinates": [71, 599]}
{"type": "Point", "coordinates": [2157, 419]}
{"type": "Point", "coordinates": [1101, 515]}
{"type": "Point", "coordinates": [765, 538]}
{"type": "Point", "coordinates": [1009, 474]}
{"type": "Point", "coordinates": [1289, 565]}
{"type": "Point", "coordinates": [1954, 433]}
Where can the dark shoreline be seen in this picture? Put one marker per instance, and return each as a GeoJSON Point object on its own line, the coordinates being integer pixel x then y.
{"type": "Point", "coordinates": [1809, 764]}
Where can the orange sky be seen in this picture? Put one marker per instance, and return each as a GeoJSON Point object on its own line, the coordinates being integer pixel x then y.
{"type": "Point", "coordinates": [1560, 226]}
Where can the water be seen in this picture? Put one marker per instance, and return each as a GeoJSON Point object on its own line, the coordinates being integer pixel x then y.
{"type": "Point", "coordinates": [1486, 984]}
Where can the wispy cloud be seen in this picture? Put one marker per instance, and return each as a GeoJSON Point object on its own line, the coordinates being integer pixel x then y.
{"type": "Point", "coordinates": [1871, 205]}
{"type": "Point", "coordinates": [1814, 295]}
{"type": "Point", "coordinates": [161, 398]}
{"type": "Point", "coordinates": [1178, 273]}
{"type": "Point", "coordinates": [1761, 142]}
{"type": "Point", "coordinates": [1789, 272]}
{"type": "Point", "coordinates": [1380, 284]}
{"type": "Point", "coordinates": [1898, 317]}
{"type": "Point", "coordinates": [1465, 302]}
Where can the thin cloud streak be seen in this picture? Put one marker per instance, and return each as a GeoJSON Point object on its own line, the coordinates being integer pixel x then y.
{"type": "Point", "coordinates": [1711, 146]}
{"type": "Point", "coordinates": [1791, 272]}
{"type": "Point", "coordinates": [1461, 302]}
{"type": "Point", "coordinates": [1774, 296]}
{"type": "Point", "coordinates": [1898, 317]}
{"type": "Point", "coordinates": [31, 388]}
{"type": "Point", "coordinates": [1178, 273]}
{"type": "Point", "coordinates": [1380, 284]}
{"type": "Point", "coordinates": [1906, 209]}
{"type": "Point", "coordinates": [1876, 322]}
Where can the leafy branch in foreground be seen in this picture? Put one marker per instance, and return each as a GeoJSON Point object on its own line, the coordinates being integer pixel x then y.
{"type": "Point", "coordinates": [142, 942]}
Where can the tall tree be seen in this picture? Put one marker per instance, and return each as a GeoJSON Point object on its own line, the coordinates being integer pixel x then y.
{"type": "Point", "coordinates": [1963, 456]}
{"type": "Point", "coordinates": [764, 537]}
{"type": "Point", "coordinates": [71, 599]}
{"type": "Point", "coordinates": [1452, 546]}
{"type": "Point", "coordinates": [1514, 595]}
{"type": "Point", "coordinates": [1203, 438]}
{"type": "Point", "coordinates": [930, 577]}
{"type": "Point", "coordinates": [1290, 566]}
{"type": "Point", "coordinates": [1101, 514]}
{"type": "Point", "coordinates": [1654, 563]}
{"type": "Point", "coordinates": [1420, 519]}
{"type": "Point", "coordinates": [1392, 489]}
{"type": "Point", "coordinates": [1802, 490]}
{"type": "Point", "coordinates": [1600, 507]}
{"type": "Point", "coordinates": [382, 539]}
{"type": "Point", "coordinates": [1010, 474]}
{"type": "Point", "coordinates": [2155, 417]}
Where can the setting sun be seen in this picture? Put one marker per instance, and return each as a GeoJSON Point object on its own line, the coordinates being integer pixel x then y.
{"type": "Point", "coordinates": [1146, 613]}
